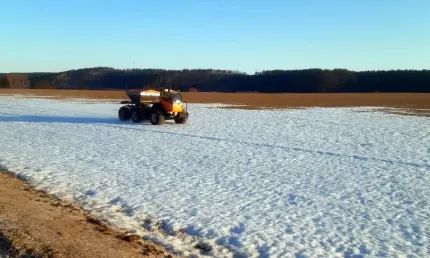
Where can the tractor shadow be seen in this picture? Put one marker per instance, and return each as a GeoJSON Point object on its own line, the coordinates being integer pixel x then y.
{"type": "Point", "coordinates": [114, 122]}
{"type": "Point", "coordinates": [71, 120]}
{"type": "Point", "coordinates": [59, 119]}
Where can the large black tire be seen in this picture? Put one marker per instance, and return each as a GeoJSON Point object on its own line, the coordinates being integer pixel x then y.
{"type": "Point", "coordinates": [136, 116]}
{"type": "Point", "coordinates": [157, 117]}
{"type": "Point", "coordinates": [124, 113]}
{"type": "Point", "coordinates": [145, 113]}
{"type": "Point", "coordinates": [181, 119]}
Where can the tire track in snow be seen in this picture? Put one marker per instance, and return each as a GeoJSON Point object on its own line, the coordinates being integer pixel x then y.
{"type": "Point", "coordinates": [288, 148]}
{"type": "Point", "coordinates": [106, 121]}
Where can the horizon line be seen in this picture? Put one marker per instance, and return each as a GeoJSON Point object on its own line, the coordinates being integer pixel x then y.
{"type": "Point", "coordinates": [219, 69]}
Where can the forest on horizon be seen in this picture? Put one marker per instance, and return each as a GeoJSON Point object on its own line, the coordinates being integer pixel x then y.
{"type": "Point", "coordinates": [213, 80]}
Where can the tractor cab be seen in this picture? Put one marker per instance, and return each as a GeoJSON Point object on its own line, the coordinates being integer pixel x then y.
{"type": "Point", "coordinates": [172, 101]}
{"type": "Point", "coordinates": [177, 98]}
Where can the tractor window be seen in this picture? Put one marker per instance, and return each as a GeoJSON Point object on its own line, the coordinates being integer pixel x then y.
{"type": "Point", "coordinates": [177, 97]}
{"type": "Point", "coordinates": [166, 95]}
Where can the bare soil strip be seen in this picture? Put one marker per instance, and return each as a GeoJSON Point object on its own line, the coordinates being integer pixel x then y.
{"type": "Point", "coordinates": [258, 100]}
{"type": "Point", "coordinates": [35, 224]}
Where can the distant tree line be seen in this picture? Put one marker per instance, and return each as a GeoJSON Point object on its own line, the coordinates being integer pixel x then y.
{"type": "Point", "coordinates": [273, 81]}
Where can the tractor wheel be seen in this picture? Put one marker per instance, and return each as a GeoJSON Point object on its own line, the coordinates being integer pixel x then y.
{"type": "Point", "coordinates": [124, 113]}
{"type": "Point", "coordinates": [157, 117]}
{"type": "Point", "coordinates": [181, 120]}
{"type": "Point", "coordinates": [136, 116]}
{"type": "Point", "coordinates": [145, 113]}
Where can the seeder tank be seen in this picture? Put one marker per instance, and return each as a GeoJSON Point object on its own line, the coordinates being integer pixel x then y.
{"type": "Point", "coordinates": [144, 96]}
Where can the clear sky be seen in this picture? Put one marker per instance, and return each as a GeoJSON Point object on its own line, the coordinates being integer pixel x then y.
{"type": "Point", "coordinates": [245, 35]}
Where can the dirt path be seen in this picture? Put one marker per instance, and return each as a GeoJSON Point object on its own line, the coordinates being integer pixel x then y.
{"type": "Point", "coordinates": [34, 224]}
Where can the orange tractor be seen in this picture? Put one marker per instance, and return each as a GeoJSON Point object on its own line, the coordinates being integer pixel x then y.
{"type": "Point", "coordinates": [155, 106]}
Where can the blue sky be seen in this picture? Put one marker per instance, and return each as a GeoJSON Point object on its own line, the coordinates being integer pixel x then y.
{"type": "Point", "coordinates": [245, 35]}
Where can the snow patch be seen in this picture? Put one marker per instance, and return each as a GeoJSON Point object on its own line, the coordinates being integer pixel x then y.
{"type": "Point", "coordinates": [244, 183]}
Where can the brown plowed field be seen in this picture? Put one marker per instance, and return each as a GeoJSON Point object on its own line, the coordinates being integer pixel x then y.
{"type": "Point", "coordinates": [260, 100]}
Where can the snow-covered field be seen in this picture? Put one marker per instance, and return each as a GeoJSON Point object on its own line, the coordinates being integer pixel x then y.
{"type": "Point", "coordinates": [326, 182]}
